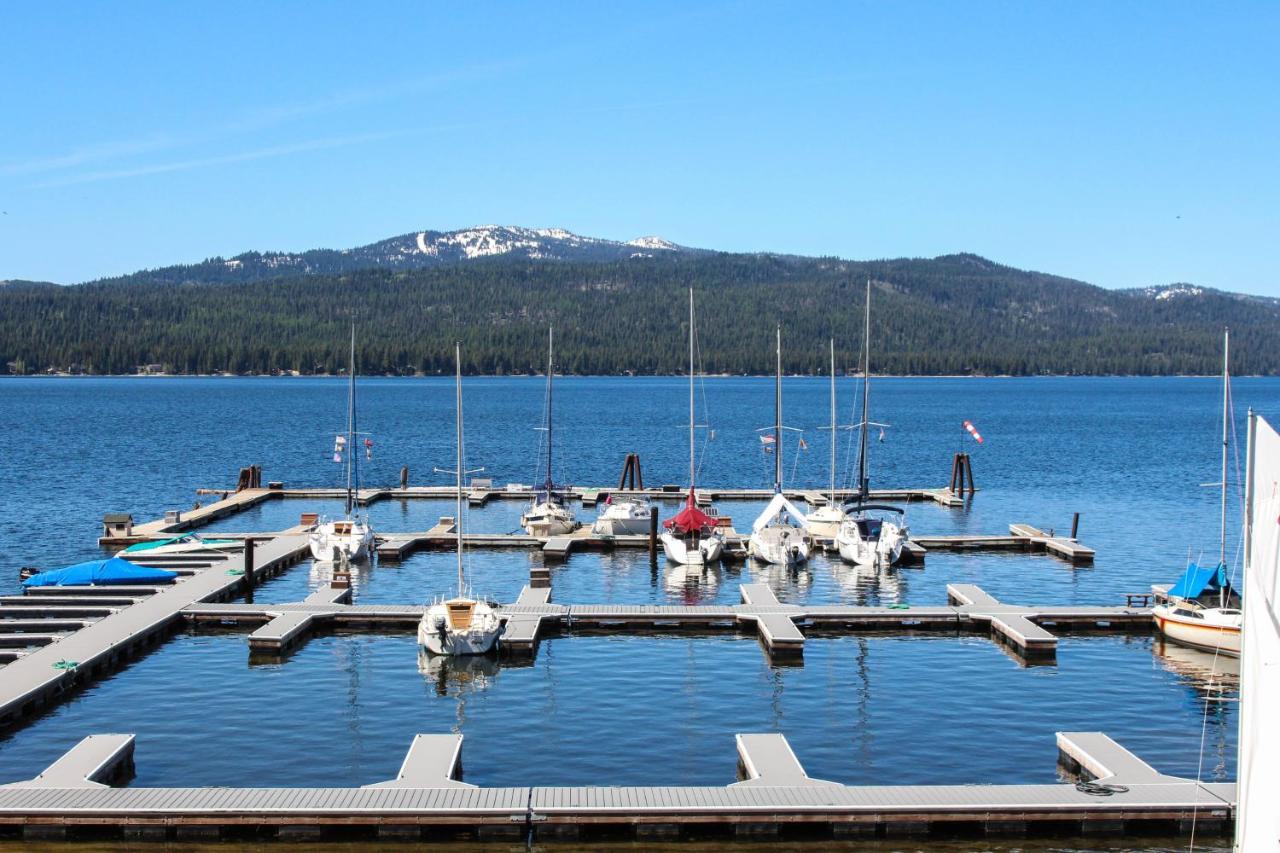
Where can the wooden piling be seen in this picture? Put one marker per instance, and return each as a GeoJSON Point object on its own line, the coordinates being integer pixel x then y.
{"type": "Point", "coordinates": [248, 571]}
{"type": "Point", "coordinates": [653, 533]}
{"type": "Point", "coordinates": [1075, 525]}
{"type": "Point", "coordinates": [404, 477]}
{"type": "Point", "coordinates": [961, 470]}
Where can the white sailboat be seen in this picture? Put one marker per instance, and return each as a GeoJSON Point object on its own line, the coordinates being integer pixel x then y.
{"type": "Point", "coordinates": [780, 534]}
{"type": "Point", "coordinates": [461, 625]}
{"type": "Point", "coordinates": [692, 537]}
{"type": "Point", "coordinates": [825, 521]}
{"type": "Point", "coordinates": [1201, 609]}
{"type": "Point", "coordinates": [350, 537]}
{"type": "Point", "coordinates": [873, 534]}
{"type": "Point", "coordinates": [548, 516]}
{"type": "Point", "coordinates": [1258, 766]}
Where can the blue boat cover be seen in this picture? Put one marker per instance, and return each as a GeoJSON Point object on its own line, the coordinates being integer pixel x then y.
{"type": "Point", "coordinates": [1198, 578]}
{"type": "Point", "coordinates": [101, 572]}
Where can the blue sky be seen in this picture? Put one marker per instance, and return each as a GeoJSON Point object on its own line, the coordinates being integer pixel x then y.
{"type": "Point", "coordinates": [1122, 143]}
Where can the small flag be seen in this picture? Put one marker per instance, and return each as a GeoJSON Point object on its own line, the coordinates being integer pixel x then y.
{"type": "Point", "coordinates": [973, 431]}
{"type": "Point", "coordinates": [882, 433]}
{"type": "Point", "coordinates": [767, 441]}
{"type": "Point", "coordinates": [803, 446]}
{"type": "Point", "coordinates": [368, 448]}
{"type": "Point", "coordinates": [337, 457]}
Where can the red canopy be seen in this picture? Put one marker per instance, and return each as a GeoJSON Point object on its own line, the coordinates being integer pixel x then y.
{"type": "Point", "coordinates": [690, 518]}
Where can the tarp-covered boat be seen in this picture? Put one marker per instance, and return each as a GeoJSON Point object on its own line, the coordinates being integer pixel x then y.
{"type": "Point", "coordinates": [113, 570]}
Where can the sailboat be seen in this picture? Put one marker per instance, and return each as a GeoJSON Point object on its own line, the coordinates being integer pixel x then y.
{"type": "Point", "coordinates": [692, 537]}
{"type": "Point", "coordinates": [461, 625]}
{"type": "Point", "coordinates": [1201, 609]}
{"type": "Point", "coordinates": [779, 535]}
{"type": "Point", "coordinates": [548, 516]}
{"type": "Point", "coordinates": [825, 521]}
{"type": "Point", "coordinates": [873, 534]}
{"type": "Point", "coordinates": [351, 536]}
{"type": "Point", "coordinates": [1258, 766]}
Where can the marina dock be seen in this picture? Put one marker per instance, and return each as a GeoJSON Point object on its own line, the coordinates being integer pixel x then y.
{"type": "Point", "coordinates": [777, 798]}
{"type": "Point", "coordinates": [778, 625]}
{"type": "Point", "coordinates": [103, 638]}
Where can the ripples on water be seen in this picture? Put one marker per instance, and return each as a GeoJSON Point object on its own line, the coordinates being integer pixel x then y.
{"type": "Point", "coordinates": [1129, 454]}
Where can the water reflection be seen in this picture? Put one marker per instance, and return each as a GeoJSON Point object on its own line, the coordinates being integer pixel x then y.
{"type": "Point", "coordinates": [459, 676]}
{"type": "Point", "coordinates": [692, 584]}
{"type": "Point", "coordinates": [789, 583]}
{"type": "Point", "coordinates": [1215, 683]}
{"type": "Point", "coordinates": [870, 586]}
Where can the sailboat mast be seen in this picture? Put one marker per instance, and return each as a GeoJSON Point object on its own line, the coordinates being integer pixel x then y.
{"type": "Point", "coordinates": [351, 420]}
{"type": "Point", "coordinates": [833, 422]}
{"type": "Point", "coordinates": [457, 524]}
{"type": "Point", "coordinates": [777, 416]}
{"type": "Point", "coordinates": [692, 465]}
{"type": "Point", "coordinates": [1222, 533]}
{"type": "Point", "coordinates": [550, 371]}
{"type": "Point", "coordinates": [866, 399]}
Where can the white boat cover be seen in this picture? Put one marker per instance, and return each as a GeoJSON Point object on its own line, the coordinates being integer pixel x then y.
{"type": "Point", "coordinates": [1258, 767]}
{"type": "Point", "coordinates": [776, 507]}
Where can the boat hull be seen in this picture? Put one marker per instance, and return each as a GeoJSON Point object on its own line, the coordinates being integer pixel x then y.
{"type": "Point", "coordinates": [1198, 634]}
{"type": "Point", "coordinates": [438, 637]}
{"type": "Point", "coordinates": [621, 525]}
{"type": "Point", "coordinates": [677, 550]}
{"type": "Point", "coordinates": [779, 546]}
{"type": "Point", "coordinates": [330, 546]}
{"type": "Point", "coordinates": [546, 520]}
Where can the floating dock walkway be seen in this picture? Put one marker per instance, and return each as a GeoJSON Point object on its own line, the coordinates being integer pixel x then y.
{"type": "Point", "coordinates": [778, 625]}
{"type": "Point", "coordinates": [232, 502]}
{"type": "Point", "coordinates": [775, 798]}
{"type": "Point", "coordinates": [105, 631]}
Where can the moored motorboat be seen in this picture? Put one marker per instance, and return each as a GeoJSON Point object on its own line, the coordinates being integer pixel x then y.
{"type": "Point", "coordinates": [622, 517]}
{"type": "Point", "coordinates": [188, 543]}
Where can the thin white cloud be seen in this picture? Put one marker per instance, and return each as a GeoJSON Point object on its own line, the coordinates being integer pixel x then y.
{"type": "Point", "coordinates": [88, 154]}
{"type": "Point", "coordinates": [249, 122]}
{"type": "Point", "coordinates": [224, 159]}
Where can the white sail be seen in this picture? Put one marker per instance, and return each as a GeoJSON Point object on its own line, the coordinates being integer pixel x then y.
{"type": "Point", "coordinates": [1258, 768]}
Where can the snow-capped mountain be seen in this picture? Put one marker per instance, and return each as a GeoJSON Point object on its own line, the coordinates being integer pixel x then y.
{"type": "Point", "coordinates": [419, 249]}
{"type": "Point", "coordinates": [1183, 292]}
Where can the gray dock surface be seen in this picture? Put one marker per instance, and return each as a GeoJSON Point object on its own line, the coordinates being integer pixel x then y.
{"type": "Point", "coordinates": [39, 676]}
{"type": "Point", "coordinates": [425, 800]}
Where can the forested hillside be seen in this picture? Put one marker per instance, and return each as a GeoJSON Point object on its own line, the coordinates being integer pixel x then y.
{"type": "Point", "coordinates": [957, 314]}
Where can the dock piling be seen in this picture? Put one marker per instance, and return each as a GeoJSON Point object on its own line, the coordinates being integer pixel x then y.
{"type": "Point", "coordinates": [1075, 525]}
{"type": "Point", "coordinates": [653, 534]}
{"type": "Point", "coordinates": [248, 571]}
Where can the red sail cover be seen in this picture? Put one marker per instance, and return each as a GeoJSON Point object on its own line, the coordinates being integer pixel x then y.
{"type": "Point", "coordinates": [690, 518]}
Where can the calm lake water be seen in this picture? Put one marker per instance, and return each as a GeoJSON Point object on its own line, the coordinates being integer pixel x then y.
{"type": "Point", "coordinates": [1128, 454]}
